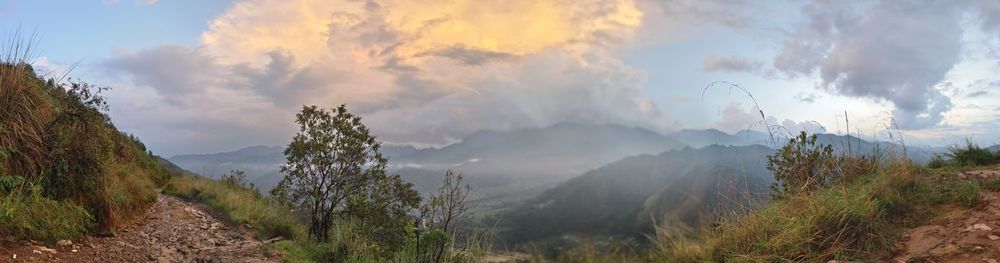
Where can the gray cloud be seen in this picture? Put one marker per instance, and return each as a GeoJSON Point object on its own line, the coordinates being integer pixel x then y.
{"type": "Point", "coordinates": [807, 97]}
{"type": "Point", "coordinates": [714, 63]}
{"type": "Point", "coordinates": [977, 94]}
{"type": "Point", "coordinates": [892, 50]}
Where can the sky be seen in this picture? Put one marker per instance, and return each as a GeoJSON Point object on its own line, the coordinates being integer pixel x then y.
{"type": "Point", "coordinates": [196, 76]}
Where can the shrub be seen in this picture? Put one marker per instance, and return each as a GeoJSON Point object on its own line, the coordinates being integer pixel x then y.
{"type": "Point", "coordinates": [802, 166]}
{"type": "Point", "coordinates": [970, 154]}
{"type": "Point", "coordinates": [937, 162]}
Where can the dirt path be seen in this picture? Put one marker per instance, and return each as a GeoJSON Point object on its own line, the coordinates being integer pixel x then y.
{"type": "Point", "coordinates": [960, 235]}
{"type": "Point", "coordinates": [172, 231]}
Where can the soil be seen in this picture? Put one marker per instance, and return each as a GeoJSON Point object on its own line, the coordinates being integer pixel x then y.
{"type": "Point", "coordinates": [959, 235]}
{"type": "Point", "coordinates": [173, 230]}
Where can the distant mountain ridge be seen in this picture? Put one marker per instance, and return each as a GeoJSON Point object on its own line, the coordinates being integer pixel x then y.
{"type": "Point", "coordinates": [493, 161]}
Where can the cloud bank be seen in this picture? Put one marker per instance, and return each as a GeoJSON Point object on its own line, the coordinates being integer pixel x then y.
{"type": "Point", "coordinates": [425, 72]}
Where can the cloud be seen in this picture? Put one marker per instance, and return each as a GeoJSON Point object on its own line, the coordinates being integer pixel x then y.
{"type": "Point", "coordinates": [888, 50]}
{"type": "Point", "coordinates": [735, 118]}
{"type": "Point", "coordinates": [977, 94]}
{"type": "Point", "coordinates": [715, 63]}
{"type": "Point", "coordinates": [423, 72]}
{"type": "Point", "coordinates": [807, 97]}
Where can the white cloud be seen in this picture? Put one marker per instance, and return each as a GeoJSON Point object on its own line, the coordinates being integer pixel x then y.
{"type": "Point", "coordinates": [418, 71]}
{"type": "Point", "coordinates": [892, 50]}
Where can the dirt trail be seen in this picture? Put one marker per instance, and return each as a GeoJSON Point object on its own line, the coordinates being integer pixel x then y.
{"type": "Point", "coordinates": [172, 231]}
{"type": "Point", "coordinates": [960, 235]}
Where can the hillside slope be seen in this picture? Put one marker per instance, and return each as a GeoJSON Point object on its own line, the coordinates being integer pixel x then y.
{"type": "Point", "coordinates": [65, 169]}
{"type": "Point", "coordinates": [621, 199]}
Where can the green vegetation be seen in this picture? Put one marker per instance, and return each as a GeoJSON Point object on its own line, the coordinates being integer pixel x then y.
{"type": "Point", "coordinates": [239, 205]}
{"type": "Point", "coordinates": [857, 216]}
{"type": "Point", "coordinates": [65, 169]}
{"type": "Point", "coordinates": [338, 205]}
{"type": "Point", "coordinates": [965, 155]}
{"type": "Point", "coordinates": [619, 205]}
{"type": "Point", "coordinates": [335, 170]}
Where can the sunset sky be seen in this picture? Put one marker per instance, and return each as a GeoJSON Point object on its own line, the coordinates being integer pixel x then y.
{"type": "Point", "coordinates": [195, 76]}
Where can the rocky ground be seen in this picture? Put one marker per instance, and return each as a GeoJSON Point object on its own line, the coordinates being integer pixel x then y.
{"type": "Point", "coordinates": [172, 231]}
{"type": "Point", "coordinates": [960, 235]}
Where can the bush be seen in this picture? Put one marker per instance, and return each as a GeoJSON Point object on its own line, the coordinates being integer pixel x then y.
{"type": "Point", "coordinates": [802, 166]}
{"type": "Point", "coordinates": [970, 154]}
{"type": "Point", "coordinates": [937, 162]}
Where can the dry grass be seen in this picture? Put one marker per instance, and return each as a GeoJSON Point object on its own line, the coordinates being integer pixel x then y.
{"type": "Point", "coordinates": [83, 173]}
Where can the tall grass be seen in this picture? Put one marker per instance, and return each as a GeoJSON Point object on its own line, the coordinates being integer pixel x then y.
{"type": "Point", "coordinates": [57, 137]}
{"type": "Point", "coordinates": [26, 214]}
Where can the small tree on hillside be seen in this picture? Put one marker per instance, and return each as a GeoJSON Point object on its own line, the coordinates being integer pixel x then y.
{"type": "Point", "coordinates": [335, 169]}
{"type": "Point", "coordinates": [440, 213]}
{"type": "Point", "coordinates": [802, 165]}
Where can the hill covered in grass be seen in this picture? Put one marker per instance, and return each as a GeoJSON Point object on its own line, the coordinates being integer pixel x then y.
{"type": "Point", "coordinates": [65, 169]}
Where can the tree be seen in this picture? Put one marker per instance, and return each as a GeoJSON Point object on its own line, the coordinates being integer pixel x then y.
{"type": "Point", "coordinates": [440, 211]}
{"type": "Point", "coordinates": [801, 166]}
{"type": "Point", "coordinates": [335, 170]}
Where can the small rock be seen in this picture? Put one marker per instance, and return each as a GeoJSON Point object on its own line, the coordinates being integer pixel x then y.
{"type": "Point", "coordinates": [45, 249]}
{"type": "Point", "coordinates": [35, 251]}
{"type": "Point", "coordinates": [991, 260]}
{"type": "Point", "coordinates": [979, 227]}
{"type": "Point", "coordinates": [993, 237]}
{"type": "Point", "coordinates": [64, 243]}
{"type": "Point", "coordinates": [74, 251]}
{"type": "Point", "coordinates": [275, 239]}
{"type": "Point", "coordinates": [14, 256]}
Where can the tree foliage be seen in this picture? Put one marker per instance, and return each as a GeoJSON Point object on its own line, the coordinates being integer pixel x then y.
{"type": "Point", "coordinates": [335, 170]}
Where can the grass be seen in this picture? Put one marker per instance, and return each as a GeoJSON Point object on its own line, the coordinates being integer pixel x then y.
{"type": "Point", "coordinates": [26, 214]}
{"type": "Point", "coordinates": [966, 155]}
{"type": "Point", "coordinates": [859, 220]}
{"type": "Point", "coordinates": [65, 170]}
{"type": "Point", "coordinates": [348, 240]}
{"type": "Point", "coordinates": [240, 206]}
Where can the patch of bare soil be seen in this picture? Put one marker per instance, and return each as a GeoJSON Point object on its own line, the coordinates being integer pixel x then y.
{"type": "Point", "coordinates": [172, 231]}
{"type": "Point", "coordinates": [960, 235]}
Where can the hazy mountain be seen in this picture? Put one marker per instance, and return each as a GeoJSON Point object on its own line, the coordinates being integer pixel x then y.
{"type": "Point", "coordinates": [171, 167]}
{"type": "Point", "coordinates": [622, 198]}
{"type": "Point", "coordinates": [882, 149]}
{"type": "Point", "coordinates": [539, 155]}
{"type": "Point", "coordinates": [701, 138]}
{"type": "Point", "coordinates": [493, 162]}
